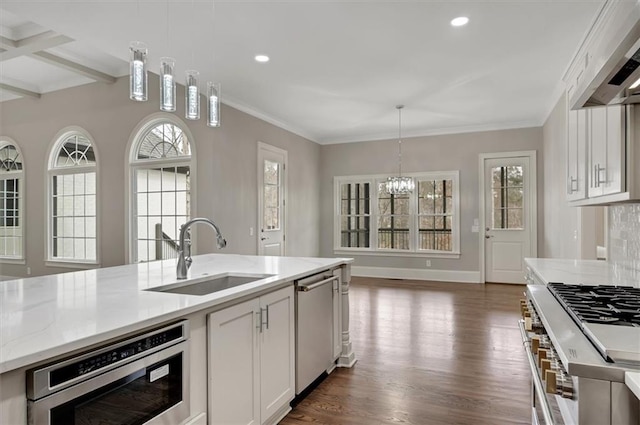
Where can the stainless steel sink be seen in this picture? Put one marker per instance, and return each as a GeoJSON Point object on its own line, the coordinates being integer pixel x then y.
{"type": "Point", "coordinates": [209, 286]}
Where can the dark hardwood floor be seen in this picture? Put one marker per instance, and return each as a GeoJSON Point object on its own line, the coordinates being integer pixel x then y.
{"type": "Point", "coordinates": [428, 353]}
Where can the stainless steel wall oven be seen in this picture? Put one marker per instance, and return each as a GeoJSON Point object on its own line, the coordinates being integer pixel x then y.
{"type": "Point", "coordinates": [141, 380]}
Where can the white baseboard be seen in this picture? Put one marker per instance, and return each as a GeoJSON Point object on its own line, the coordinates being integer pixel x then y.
{"type": "Point", "coordinates": [417, 274]}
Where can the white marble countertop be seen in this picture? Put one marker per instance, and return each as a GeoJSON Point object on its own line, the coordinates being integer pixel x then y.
{"type": "Point", "coordinates": [587, 272]}
{"type": "Point", "coordinates": [47, 316]}
{"type": "Point", "coordinates": [632, 379]}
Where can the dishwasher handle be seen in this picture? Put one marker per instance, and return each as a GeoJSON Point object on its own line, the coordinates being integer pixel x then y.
{"type": "Point", "coordinates": [307, 288]}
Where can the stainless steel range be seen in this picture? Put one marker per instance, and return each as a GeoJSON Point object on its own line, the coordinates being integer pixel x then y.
{"type": "Point", "coordinates": [580, 340]}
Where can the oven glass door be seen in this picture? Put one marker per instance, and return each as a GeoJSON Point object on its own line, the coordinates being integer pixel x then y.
{"type": "Point", "coordinates": [132, 400]}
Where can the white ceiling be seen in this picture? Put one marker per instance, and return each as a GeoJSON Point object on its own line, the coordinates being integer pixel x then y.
{"type": "Point", "coordinates": [337, 69]}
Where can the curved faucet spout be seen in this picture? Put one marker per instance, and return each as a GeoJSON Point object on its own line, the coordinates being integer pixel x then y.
{"type": "Point", "coordinates": [184, 251]}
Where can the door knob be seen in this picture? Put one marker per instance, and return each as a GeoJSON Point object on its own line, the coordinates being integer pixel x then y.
{"type": "Point", "coordinates": [487, 236]}
{"type": "Point", "coordinates": [263, 238]}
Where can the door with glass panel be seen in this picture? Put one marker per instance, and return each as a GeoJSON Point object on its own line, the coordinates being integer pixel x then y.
{"type": "Point", "coordinates": [509, 236]}
{"type": "Point", "coordinates": [271, 200]}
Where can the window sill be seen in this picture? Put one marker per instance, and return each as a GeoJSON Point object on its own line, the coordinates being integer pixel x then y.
{"type": "Point", "coordinates": [12, 260]}
{"type": "Point", "coordinates": [84, 265]}
{"type": "Point", "coordinates": [380, 253]}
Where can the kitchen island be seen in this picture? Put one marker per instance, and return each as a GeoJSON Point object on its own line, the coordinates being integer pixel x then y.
{"type": "Point", "coordinates": [46, 318]}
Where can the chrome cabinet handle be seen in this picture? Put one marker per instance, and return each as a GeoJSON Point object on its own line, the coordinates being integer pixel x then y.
{"type": "Point", "coordinates": [597, 180]}
{"type": "Point", "coordinates": [266, 323]}
{"type": "Point", "coordinates": [570, 185]}
{"type": "Point", "coordinates": [259, 319]}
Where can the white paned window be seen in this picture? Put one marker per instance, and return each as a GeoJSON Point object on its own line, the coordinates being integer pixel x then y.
{"type": "Point", "coordinates": [73, 217]}
{"type": "Point", "coordinates": [161, 192]}
{"type": "Point", "coordinates": [11, 202]}
{"type": "Point", "coordinates": [425, 222]}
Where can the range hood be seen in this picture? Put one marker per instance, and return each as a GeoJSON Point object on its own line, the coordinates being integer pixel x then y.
{"type": "Point", "coordinates": [623, 74]}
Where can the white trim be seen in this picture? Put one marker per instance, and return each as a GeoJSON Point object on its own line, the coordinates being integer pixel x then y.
{"type": "Point", "coordinates": [132, 163]}
{"type": "Point", "coordinates": [285, 196]}
{"type": "Point", "coordinates": [532, 201]}
{"type": "Point", "coordinates": [417, 274]}
{"type": "Point", "coordinates": [22, 176]}
{"type": "Point", "coordinates": [52, 170]}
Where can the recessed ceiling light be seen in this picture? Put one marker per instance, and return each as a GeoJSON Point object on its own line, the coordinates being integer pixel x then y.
{"type": "Point", "coordinates": [460, 21]}
{"type": "Point", "coordinates": [262, 58]}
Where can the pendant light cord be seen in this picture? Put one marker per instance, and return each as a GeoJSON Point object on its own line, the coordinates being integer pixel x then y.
{"type": "Point", "coordinates": [399, 107]}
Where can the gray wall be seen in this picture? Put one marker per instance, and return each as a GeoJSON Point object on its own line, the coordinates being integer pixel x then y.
{"type": "Point", "coordinates": [431, 153]}
{"type": "Point", "coordinates": [226, 169]}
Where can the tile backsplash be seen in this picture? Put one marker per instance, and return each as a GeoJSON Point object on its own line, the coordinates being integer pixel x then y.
{"type": "Point", "coordinates": [624, 239]}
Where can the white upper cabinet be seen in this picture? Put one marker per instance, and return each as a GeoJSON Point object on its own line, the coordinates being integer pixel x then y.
{"type": "Point", "coordinates": [606, 150]}
{"type": "Point", "coordinates": [599, 152]}
{"type": "Point", "coordinates": [576, 155]}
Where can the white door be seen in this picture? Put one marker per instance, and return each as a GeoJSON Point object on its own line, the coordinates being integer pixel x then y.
{"type": "Point", "coordinates": [277, 352]}
{"type": "Point", "coordinates": [509, 216]}
{"type": "Point", "coordinates": [272, 164]}
{"type": "Point", "coordinates": [234, 368]}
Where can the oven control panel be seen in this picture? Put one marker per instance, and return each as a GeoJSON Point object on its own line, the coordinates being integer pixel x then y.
{"type": "Point", "coordinates": [550, 369]}
{"type": "Point", "coordinates": [55, 377]}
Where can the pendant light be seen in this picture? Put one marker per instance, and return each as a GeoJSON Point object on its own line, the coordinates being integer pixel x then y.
{"type": "Point", "coordinates": [167, 85]}
{"type": "Point", "coordinates": [138, 71]}
{"type": "Point", "coordinates": [192, 95]}
{"type": "Point", "coordinates": [213, 89]}
{"type": "Point", "coordinates": [213, 104]}
{"type": "Point", "coordinates": [399, 185]}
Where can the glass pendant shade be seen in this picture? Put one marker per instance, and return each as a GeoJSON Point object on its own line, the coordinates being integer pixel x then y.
{"type": "Point", "coordinates": [192, 96]}
{"type": "Point", "coordinates": [213, 104]}
{"type": "Point", "coordinates": [167, 85]}
{"type": "Point", "coordinates": [399, 185]}
{"type": "Point", "coordinates": [138, 71]}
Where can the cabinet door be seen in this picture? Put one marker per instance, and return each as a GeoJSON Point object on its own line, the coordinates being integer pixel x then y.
{"type": "Point", "coordinates": [277, 351]}
{"type": "Point", "coordinates": [576, 154]}
{"type": "Point", "coordinates": [337, 315]}
{"type": "Point", "coordinates": [597, 150]}
{"type": "Point", "coordinates": [234, 386]}
{"type": "Point", "coordinates": [616, 142]}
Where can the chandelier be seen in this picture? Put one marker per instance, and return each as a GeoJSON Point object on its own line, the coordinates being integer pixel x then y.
{"type": "Point", "coordinates": [399, 185]}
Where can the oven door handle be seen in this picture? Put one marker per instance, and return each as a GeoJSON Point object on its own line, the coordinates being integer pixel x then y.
{"type": "Point", "coordinates": [537, 382]}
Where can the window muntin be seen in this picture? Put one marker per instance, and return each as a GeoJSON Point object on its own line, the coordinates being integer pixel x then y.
{"type": "Point", "coordinates": [435, 215]}
{"type": "Point", "coordinates": [161, 191]}
{"type": "Point", "coordinates": [355, 215]}
{"type": "Point", "coordinates": [11, 202]}
{"type": "Point", "coordinates": [73, 200]}
{"type": "Point", "coordinates": [423, 222]}
{"type": "Point", "coordinates": [507, 185]}
{"type": "Point", "coordinates": [272, 193]}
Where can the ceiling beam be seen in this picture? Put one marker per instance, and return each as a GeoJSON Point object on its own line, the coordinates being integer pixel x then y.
{"type": "Point", "coordinates": [26, 46]}
{"type": "Point", "coordinates": [19, 91]}
{"type": "Point", "coordinates": [73, 66]}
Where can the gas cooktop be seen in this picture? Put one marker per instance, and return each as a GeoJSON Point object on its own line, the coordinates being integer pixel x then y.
{"type": "Point", "coordinates": [609, 316]}
{"type": "Point", "coordinates": [609, 305]}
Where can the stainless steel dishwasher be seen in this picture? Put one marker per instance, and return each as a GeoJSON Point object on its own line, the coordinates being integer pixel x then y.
{"type": "Point", "coordinates": [314, 327]}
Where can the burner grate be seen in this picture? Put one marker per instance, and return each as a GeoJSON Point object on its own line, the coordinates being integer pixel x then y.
{"type": "Point", "coordinates": [612, 305]}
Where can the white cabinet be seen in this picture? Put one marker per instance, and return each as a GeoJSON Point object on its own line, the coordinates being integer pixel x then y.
{"type": "Point", "coordinates": [251, 360]}
{"type": "Point", "coordinates": [576, 154]}
{"type": "Point", "coordinates": [599, 146]}
{"type": "Point", "coordinates": [606, 150]}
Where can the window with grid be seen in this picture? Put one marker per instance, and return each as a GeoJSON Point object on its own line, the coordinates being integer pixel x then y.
{"type": "Point", "coordinates": [355, 216]}
{"type": "Point", "coordinates": [424, 222]}
{"type": "Point", "coordinates": [508, 189]}
{"type": "Point", "coordinates": [73, 198]}
{"type": "Point", "coordinates": [11, 206]}
{"type": "Point", "coordinates": [161, 168]}
{"type": "Point", "coordinates": [435, 215]}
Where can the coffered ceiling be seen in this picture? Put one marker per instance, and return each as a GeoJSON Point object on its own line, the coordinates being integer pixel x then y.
{"type": "Point", "coordinates": [337, 69]}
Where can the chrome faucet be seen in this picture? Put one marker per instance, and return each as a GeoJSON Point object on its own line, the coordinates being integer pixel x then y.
{"type": "Point", "coordinates": [184, 251]}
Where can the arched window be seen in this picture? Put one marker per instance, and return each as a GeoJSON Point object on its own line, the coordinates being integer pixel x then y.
{"type": "Point", "coordinates": [73, 235]}
{"type": "Point", "coordinates": [160, 163]}
{"type": "Point", "coordinates": [11, 201]}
